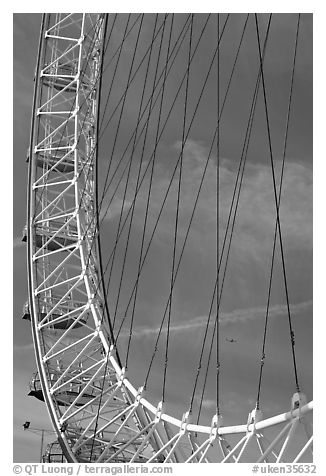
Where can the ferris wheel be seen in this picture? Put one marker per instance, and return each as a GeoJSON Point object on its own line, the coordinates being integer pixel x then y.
{"type": "Point", "coordinates": [129, 118]}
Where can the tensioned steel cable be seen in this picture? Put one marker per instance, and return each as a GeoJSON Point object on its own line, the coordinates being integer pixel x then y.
{"type": "Point", "coordinates": [154, 152]}
{"type": "Point", "coordinates": [276, 198]}
{"type": "Point", "coordinates": [188, 230]}
{"type": "Point", "coordinates": [90, 224]}
{"type": "Point", "coordinates": [217, 223]}
{"type": "Point", "coordinates": [217, 293]}
{"type": "Point", "coordinates": [106, 67]}
{"type": "Point", "coordinates": [131, 80]}
{"type": "Point", "coordinates": [121, 98]}
{"type": "Point", "coordinates": [82, 194]}
{"type": "Point", "coordinates": [139, 167]}
{"type": "Point", "coordinates": [127, 182]}
{"type": "Point", "coordinates": [204, 172]}
{"type": "Point", "coordinates": [85, 186]}
{"type": "Point", "coordinates": [146, 53]}
{"type": "Point", "coordinates": [119, 50]}
{"type": "Point", "coordinates": [114, 146]}
{"type": "Point", "coordinates": [160, 135]}
{"type": "Point", "coordinates": [160, 77]}
{"type": "Point", "coordinates": [145, 125]}
{"type": "Point", "coordinates": [163, 127]}
{"type": "Point", "coordinates": [82, 72]}
{"type": "Point", "coordinates": [183, 141]}
{"type": "Point", "coordinates": [222, 285]}
{"type": "Point", "coordinates": [205, 168]}
{"type": "Point", "coordinates": [167, 192]}
{"type": "Point", "coordinates": [110, 90]}
{"type": "Point", "coordinates": [96, 174]}
{"type": "Point", "coordinates": [95, 150]}
{"type": "Point", "coordinates": [100, 280]}
{"type": "Point", "coordinates": [120, 46]}
{"type": "Point", "coordinates": [99, 406]}
{"type": "Point", "coordinates": [234, 204]}
{"type": "Point", "coordinates": [144, 227]}
{"type": "Point", "coordinates": [127, 146]}
{"type": "Point", "coordinates": [104, 53]}
{"type": "Point", "coordinates": [106, 41]}
{"type": "Point", "coordinates": [92, 91]}
{"type": "Point", "coordinates": [141, 262]}
{"type": "Point", "coordinates": [182, 33]}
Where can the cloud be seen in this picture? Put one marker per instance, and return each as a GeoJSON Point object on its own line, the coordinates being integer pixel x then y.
{"type": "Point", "coordinates": [236, 316]}
{"type": "Point", "coordinates": [249, 262]}
{"type": "Point", "coordinates": [256, 216]}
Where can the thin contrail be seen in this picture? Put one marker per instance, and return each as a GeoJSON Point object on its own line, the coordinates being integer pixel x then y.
{"type": "Point", "coordinates": [238, 315]}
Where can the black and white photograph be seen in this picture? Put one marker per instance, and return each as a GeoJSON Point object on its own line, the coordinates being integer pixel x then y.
{"type": "Point", "coordinates": [163, 239]}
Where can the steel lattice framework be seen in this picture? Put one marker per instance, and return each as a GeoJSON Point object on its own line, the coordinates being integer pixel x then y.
{"type": "Point", "coordinates": [96, 411]}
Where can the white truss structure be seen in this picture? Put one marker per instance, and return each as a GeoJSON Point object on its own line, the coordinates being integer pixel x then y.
{"type": "Point", "coordinates": [97, 413]}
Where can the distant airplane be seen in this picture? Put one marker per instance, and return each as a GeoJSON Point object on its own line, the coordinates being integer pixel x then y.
{"type": "Point", "coordinates": [231, 339]}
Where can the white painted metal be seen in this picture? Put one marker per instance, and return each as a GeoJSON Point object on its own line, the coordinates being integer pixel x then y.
{"type": "Point", "coordinates": [96, 411]}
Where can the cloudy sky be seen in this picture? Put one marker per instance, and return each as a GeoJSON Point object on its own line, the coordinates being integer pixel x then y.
{"type": "Point", "coordinates": [243, 303]}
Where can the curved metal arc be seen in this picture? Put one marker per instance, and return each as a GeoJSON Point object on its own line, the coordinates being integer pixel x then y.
{"type": "Point", "coordinates": [129, 392]}
{"type": "Point", "coordinates": [226, 430]}
{"type": "Point", "coordinates": [30, 274]}
{"type": "Point", "coordinates": [97, 211]}
{"type": "Point", "coordinates": [50, 400]}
